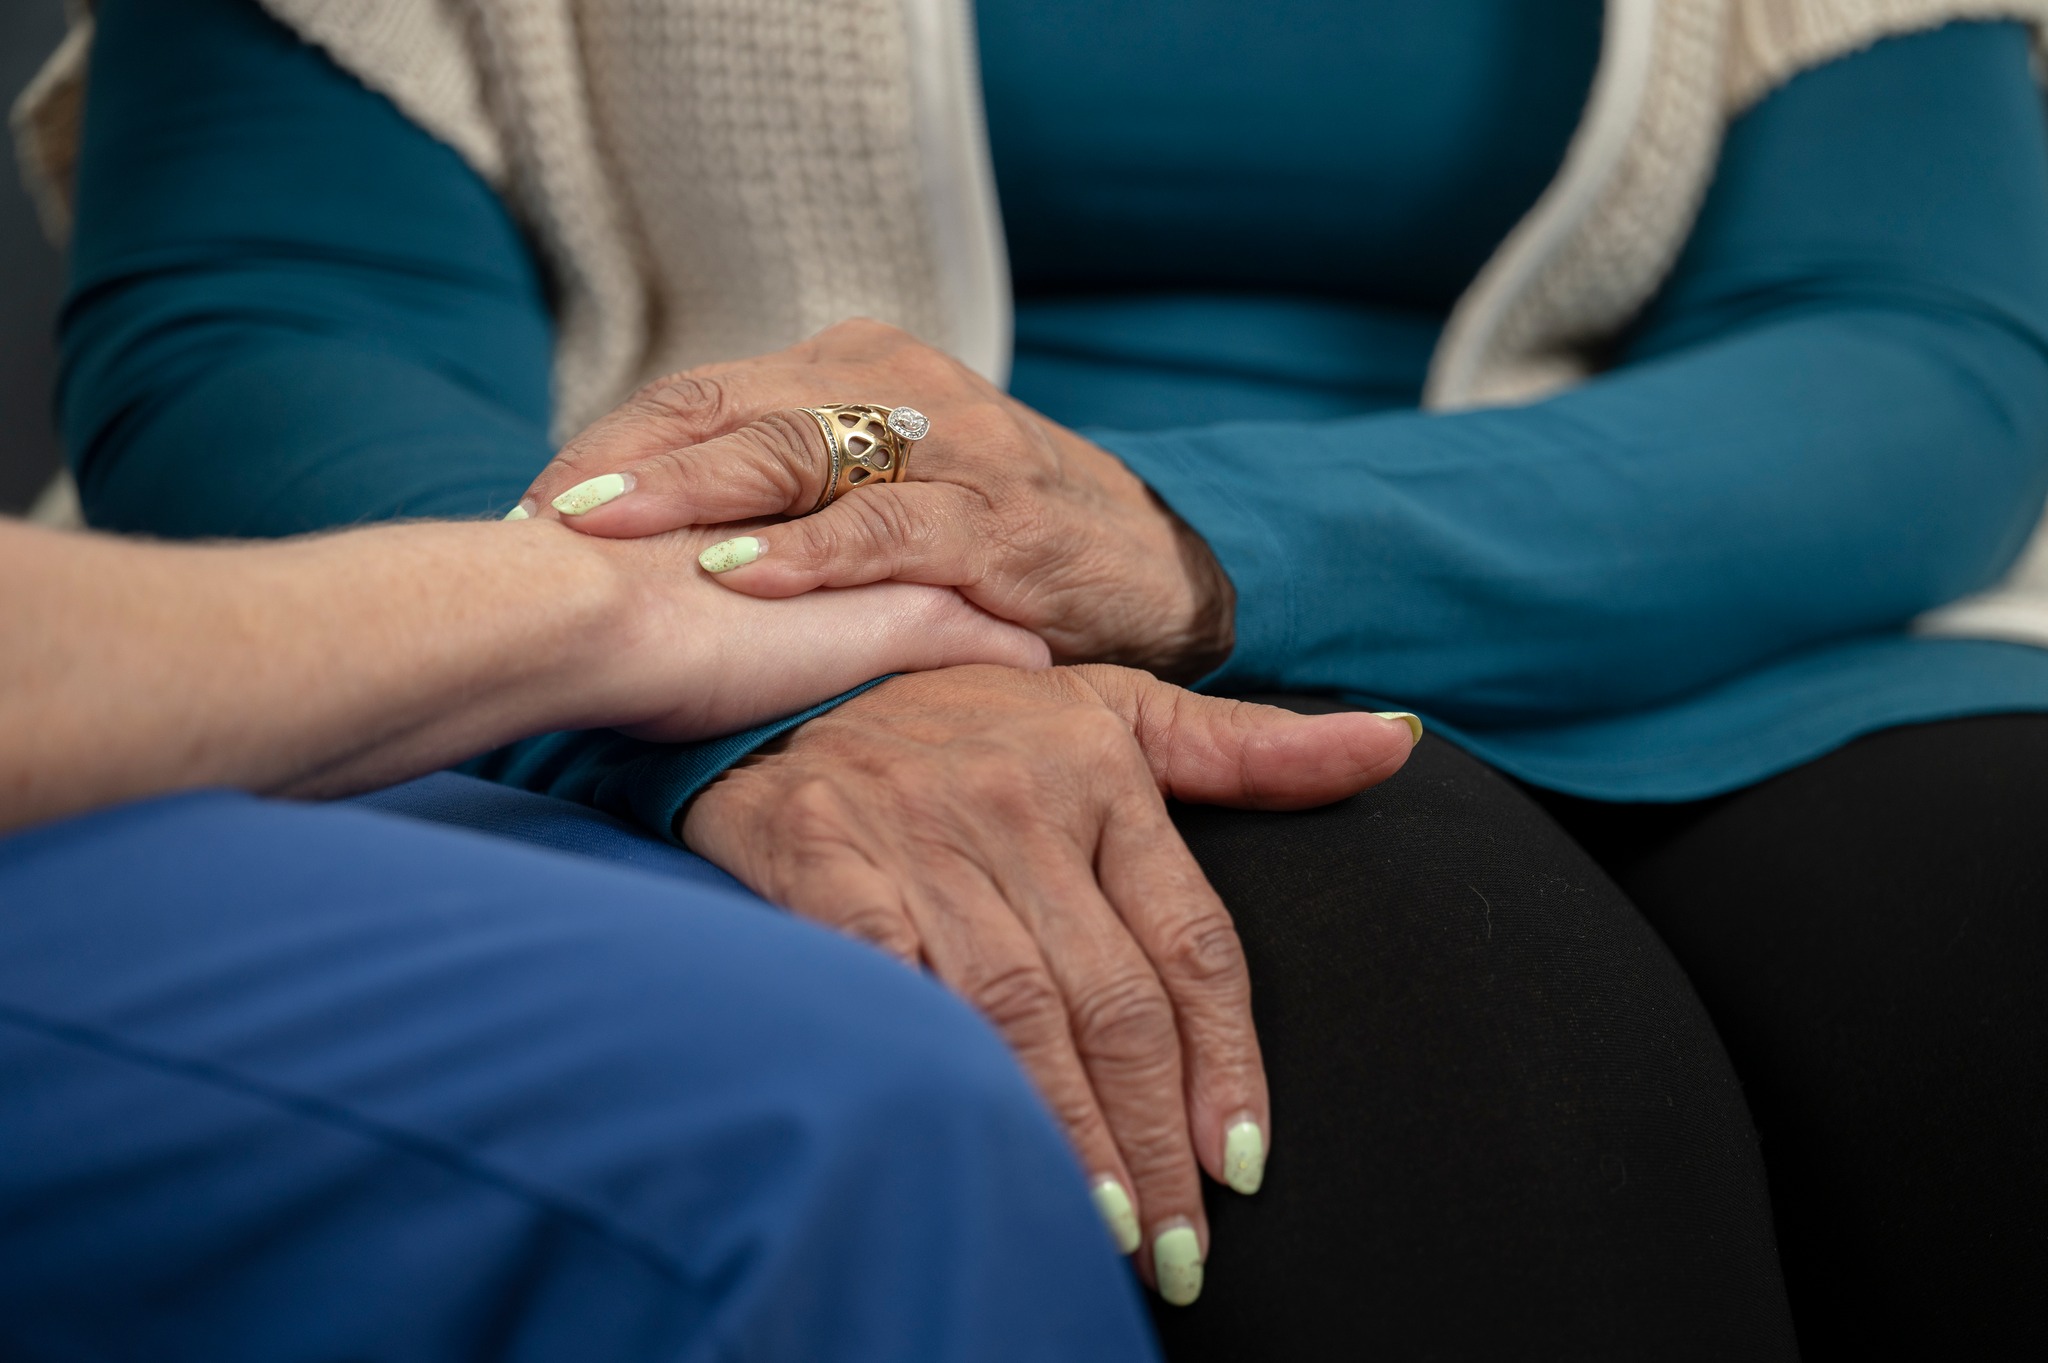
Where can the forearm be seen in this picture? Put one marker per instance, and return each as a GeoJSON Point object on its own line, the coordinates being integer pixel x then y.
{"type": "Point", "coordinates": [1647, 535]}
{"type": "Point", "coordinates": [278, 433]}
{"type": "Point", "coordinates": [1834, 417]}
{"type": "Point", "coordinates": [313, 667]}
{"type": "Point", "coordinates": [291, 308]}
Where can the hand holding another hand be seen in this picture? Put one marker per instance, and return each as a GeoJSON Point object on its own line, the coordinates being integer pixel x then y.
{"type": "Point", "coordinates": [1006, 829]}
{"type": "Point", "coordinates": [1028, 520]}
{"type": "Point", "coordinates": [678, 658]}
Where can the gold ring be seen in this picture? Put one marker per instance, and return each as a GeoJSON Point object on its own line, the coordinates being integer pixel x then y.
{"type": "Point", "coordinates": [868, 444]}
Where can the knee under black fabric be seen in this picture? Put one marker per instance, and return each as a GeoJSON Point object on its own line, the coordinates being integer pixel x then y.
{"type": "Point", "coordinates": [1504, 1126]}
{"type": "Point", "coordinates": [1870, 934]}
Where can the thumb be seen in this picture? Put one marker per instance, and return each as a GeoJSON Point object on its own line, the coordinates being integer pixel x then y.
{"type": "Point", "coordinates": [922, 629]}
{"type": "Point", "coordinates": [1208, 750]}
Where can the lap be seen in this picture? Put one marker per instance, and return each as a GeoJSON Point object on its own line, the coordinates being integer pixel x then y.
{"type": "Point", "coordinates": [1481, 1004]}
{"type": "Point", "coordinates": [1870, 933]}
{"type": "Point", "coordinates": [302, 1082]}
{"type": "Point", "coordinates": [1503, 1122]}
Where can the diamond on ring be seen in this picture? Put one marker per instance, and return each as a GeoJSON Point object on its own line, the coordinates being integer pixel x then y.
{"type": "Point", "coordinates": [868, 444]}
{"type": "Point", "coordinates": [909, 423]}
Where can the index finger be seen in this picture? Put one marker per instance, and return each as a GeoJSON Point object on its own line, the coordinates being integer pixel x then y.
{"type": "Point", "coordinates": [661, 421]}
{"type": "Point", "coordinates": [772, 467]}
{"type": "Point", "coordinates": [1167, 904]}
{"type": "Point", "coordinates": [1124, 1029]}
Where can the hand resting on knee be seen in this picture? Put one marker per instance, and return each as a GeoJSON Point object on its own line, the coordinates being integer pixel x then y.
{"type": "Point", "coordinates": [1007, 830]}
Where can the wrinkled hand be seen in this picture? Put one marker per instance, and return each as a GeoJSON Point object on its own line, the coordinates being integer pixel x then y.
{"type": "Point", "coordinates": [1008, 830]}
{"type": "Point", "coordinates": [1028, 520]}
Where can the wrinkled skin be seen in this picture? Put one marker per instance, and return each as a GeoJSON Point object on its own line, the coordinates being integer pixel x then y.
{"type": "Point", "coordinates": [1005, 829]}
{"type": "Point", "coordinates": [1031, 522]}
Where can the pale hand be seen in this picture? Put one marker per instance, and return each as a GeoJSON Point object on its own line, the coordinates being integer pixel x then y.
{"type": "Point", "coordinates": [686, 660]}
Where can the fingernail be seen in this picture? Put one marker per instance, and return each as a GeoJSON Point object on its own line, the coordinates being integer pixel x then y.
{"type": "Point", "coordinates": [1177, 1258]}
{"type": "Point", "coordinates": [1115, 1205]}
{"type": "Point", "coordinates": [727, 555]}
{"type": "Point", "coordinates": [592, 493]}
{"type": "Point", "coordinates": [518, 513]}
{"type": "Point", "coordinates": [1244, 1156]}
{"type": "Point", "coordinates": [1413, 722]}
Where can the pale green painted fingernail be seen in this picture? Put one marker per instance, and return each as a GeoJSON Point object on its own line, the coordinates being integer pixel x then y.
{"type": "Point", "coordinates": [592, 493]}
{"type": "Point", "coordinates": [727, 555]}
{"type": "Point", "coordinates": [1177, 1258]}
{"type": "Point", "coordinates": [518, 513]}
{"type": "Point", "coordinates": [1414, 723]}
{"type": "Point", "coordinates": [1115, 1205]}
{"type": "Point", "coordinates": [1244, 1156]}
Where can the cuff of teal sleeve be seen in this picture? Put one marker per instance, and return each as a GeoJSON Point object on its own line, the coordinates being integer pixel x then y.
{"type": "Point", "coordinates": [658, 796]}
{"type": "Point", "coordinates": [1250, 550]}
{"type": "Point", "coordinates": [649, 783]}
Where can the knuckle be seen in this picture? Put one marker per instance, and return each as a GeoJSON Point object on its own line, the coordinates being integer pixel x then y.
{"type": "Point", "coordinates": [812, 814]}
{"type": "Point", "coordinates": [996, 787]}
{"type": "Point", "coordinates": [697, 401]}
{"type": "Point", "coordinates": [794, 448]}
{"type": "Point", "coordinates": [1074, 1108]}
{"type": "Point", "coordinates": [881, 926]}
{"type": "Point", "coordinates": [928, 367]}
{"type": "Point", "coordinates": [1022, 1001]}
{"type": "Point", "coordinates": [1204, 950]}
{"type": "Point", "coordinates": [1099, 738]}
{"type": "Point", "coordinates": [870, 520]}
{"type": "Point", "coordinates": [1128, 1017]}
{"type": "Point", "coordinates": [667, 467]}
{"type": "Point", "coordinates": [988, 426]}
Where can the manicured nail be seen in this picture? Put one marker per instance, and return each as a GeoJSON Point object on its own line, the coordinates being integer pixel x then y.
{"type": "Point", "coordinates": [1413, 722]}
{"type": "Point", "coordinates": [727, 555]}
{"type": "Point", "coordinates": [518, 513]}
{"type": "Point", "coordinates": [1115, 1205]}
{"type": "Point", "coordinates": [592, 493]}
{"type": "Point", "coordinates": [1177, 1258]}
{"type": "Point", "coordinates": [1244, 1156]}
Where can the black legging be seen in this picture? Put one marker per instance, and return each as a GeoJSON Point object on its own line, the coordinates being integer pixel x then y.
{"type": "Point", "coordinates": [1532, 1058]}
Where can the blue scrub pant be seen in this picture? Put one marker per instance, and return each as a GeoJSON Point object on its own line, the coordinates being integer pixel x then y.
{"type": "Point", "coordinates": [284, 1082]}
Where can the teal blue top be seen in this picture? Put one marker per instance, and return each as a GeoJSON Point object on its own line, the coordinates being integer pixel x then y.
{"type": "Point", "coordinates": [1236, 232]}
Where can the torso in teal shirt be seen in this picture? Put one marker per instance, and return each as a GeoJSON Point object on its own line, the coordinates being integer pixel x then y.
{"type": "Point", "coordinates": [1237, 230]}
{"type": "Point", "coordinates": [1262, 210]}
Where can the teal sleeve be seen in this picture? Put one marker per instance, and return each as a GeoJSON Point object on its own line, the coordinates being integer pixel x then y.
{"type": "Point", "coordinates": [1834, 417]}
{"type": "Point", "coordinates": [292, 309]}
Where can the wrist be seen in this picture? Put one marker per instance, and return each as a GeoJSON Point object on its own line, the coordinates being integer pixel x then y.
{"type": "Point", "coordinates": [1209, 617]}
{"type": "Point", "coordinates": [1186, 625]}
{"type": "Point", "coordinates": [570, 624]}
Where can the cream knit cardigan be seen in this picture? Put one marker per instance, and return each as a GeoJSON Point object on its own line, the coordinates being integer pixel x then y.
{"type": "Point", "coordinates": [711, 179]}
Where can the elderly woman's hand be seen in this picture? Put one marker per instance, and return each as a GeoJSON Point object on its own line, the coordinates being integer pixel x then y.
{"type": "Point", "coordinates": [1030, 521]}
{"type": "Point", "coordinates": [1008, 830]}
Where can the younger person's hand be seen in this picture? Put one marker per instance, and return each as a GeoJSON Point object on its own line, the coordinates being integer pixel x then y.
{"type": "Point", "coordinates": [685, 659]}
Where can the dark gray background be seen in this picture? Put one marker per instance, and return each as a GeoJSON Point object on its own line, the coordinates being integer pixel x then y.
{"type": "Point", "coordinates": [31, 277]}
